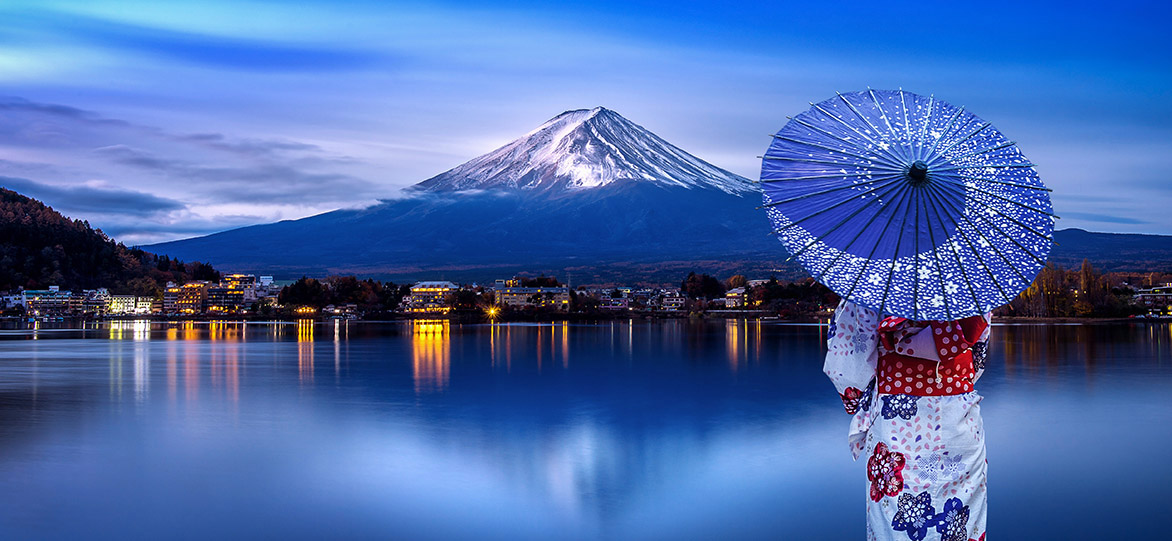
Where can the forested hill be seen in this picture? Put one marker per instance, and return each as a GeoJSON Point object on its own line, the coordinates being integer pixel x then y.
{"type": "Point", "coordinates": [39, 247]}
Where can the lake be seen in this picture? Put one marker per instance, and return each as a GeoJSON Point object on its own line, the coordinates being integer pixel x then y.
{"type": "Point", "coordinates": [626, 429]}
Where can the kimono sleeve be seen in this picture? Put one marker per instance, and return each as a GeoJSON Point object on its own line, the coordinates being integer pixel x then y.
{"type": "Point", "coordinates": [981, 347]}
{"type": "Point", "coordinates": [852, 352]}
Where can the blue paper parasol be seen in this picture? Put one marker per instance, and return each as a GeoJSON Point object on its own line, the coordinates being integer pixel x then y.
{"type": "Point", "coordinates": [907, 205]}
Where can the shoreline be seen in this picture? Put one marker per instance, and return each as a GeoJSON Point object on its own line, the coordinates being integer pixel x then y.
{"type": "Point", "coordinates": [546, 318]}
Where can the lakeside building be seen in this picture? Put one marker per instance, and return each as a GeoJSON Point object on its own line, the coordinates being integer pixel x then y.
{"type": "Point", "coordinates": [1157, 300]}
{"type": "Point", "coordinates": [226, 300]}
{"type": "Point", "coordinates": [48, 302]}
{"type": "Point", "coordinates": [534, 297]}
{"type": "Point", "coordinates": [94, 302]}
{"type": "Point", "coordinates": [672, 301]}
{"type": "Point", "coordinates": [11, 301]}
{"type": "Point", "coordinates": [430, 297]}
{"type": "Point", "coordinates": [245, 283]}
{"type": "Point", "coordinates": [121, 305]}
{"type": "Point", "coordinates": [187, 299]}
{"type": "Point", "coordinates": [616, 303]}
{"type": "Point", "coordinates": [734, 298]}
{"type": "Point", "coordinates": [233, 295]}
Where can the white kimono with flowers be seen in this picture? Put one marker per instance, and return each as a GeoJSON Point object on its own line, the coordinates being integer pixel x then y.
{"type": "Point", "coordinates": [926, 465]}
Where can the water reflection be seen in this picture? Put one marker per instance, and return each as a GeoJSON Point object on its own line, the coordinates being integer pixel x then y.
{"type": "Point", "coordinates": [430, 429]}
{"type": "Point", "coordinates": [431, 353]}
{"type": "Point", "coordinates": [305, 350]}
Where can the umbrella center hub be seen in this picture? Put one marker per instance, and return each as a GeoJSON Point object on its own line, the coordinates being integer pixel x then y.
{"type": "Point", "coordinates": [917, 173]}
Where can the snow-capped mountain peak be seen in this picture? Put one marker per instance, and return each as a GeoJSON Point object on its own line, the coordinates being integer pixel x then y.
{"type": "Point", "coordinates": [582, 149]}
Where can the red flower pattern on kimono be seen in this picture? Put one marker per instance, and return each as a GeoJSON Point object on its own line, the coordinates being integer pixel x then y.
{"type": "Point", "coordinates": [851, 398]}
{"type": "Point", "coordinates": [885, 471]}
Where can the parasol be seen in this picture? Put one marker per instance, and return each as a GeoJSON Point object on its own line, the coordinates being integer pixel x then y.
{"type": "Point", "coordinates": [907, 205]}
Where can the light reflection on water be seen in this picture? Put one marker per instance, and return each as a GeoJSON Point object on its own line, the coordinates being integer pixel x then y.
{"type": "Point", "coordinates": [625, 429]}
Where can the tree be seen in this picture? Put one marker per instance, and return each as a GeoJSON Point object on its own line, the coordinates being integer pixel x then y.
{"type": "Point", "coordinates": [540, 281]}
{"type": "Point", "coordinates": [464, 299]}
{"type": "Point", "coordinates": [701, 285]}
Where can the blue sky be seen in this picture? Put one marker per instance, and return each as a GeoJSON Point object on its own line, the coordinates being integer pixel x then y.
{"type": "Point", "coordinates": [162, 120]}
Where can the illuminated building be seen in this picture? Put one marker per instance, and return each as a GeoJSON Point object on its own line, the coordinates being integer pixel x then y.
{"type": "Point", "coordinates": [672, 302]}
{"type": "Point", "coordinates": [94, 301]}
{"type": "Point", "coordinates": [190, 298]}
{"type": "Point", "coordinates": [735, 298]}
{"type": "Point", "coordinates": [128, 304]}
{"type": "Point", "coordinates": [171, 298]}
{"type": "Point", "coordinates": [245, 283]}
{"type": "Point", "coordinates": [145, 305]}
{"type": "Point", "coordinates": [615, 303]}
{"type": "Point", "coordinates": [430, 297]}
{"type": "Point", "coordinates": [225, 300]}
{"type": "Point", "coordinates": [49, 302]}
{"type": "Point", "coordinates": [1158, 300]}
{"type": "Point", "coordinates": [557, 298]}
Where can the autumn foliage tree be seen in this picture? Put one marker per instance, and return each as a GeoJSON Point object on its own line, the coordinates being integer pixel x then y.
{"type": "Point", "coordinates": [1057, 292]}
{"type": "Point", "coordinates": [39, 248]}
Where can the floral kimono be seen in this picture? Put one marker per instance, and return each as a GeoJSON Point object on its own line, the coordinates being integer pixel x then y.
{"type": "Point", "coordinates": [909, 386]}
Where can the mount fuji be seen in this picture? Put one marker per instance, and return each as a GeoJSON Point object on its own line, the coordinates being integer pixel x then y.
{"type": "Point", "coordinates": [583, 149]}
{"type": "Point", "coordinates": [588, 192]}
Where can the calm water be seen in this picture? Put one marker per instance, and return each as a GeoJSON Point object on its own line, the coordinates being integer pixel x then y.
{"type": "Point", "coordinates": [616, 430]}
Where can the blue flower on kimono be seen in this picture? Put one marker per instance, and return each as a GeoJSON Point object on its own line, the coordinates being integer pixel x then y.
{"type": "Point", "coordinates": [865, 401]}
{"type": "Point", "coordinates": [937, 468]}
{"type": "Point", "coordinates": [980, 355]}
{"type": "Point", "coordinates": [915, 515]}
{"type": "Point", "coordinates": [903, 405]}
{"type": "Point", "coordinates": [830, 332]}
{"type": "Point", "coordinates": [860, 342]}
{"type": "Point", "coordinates": [953, 521]}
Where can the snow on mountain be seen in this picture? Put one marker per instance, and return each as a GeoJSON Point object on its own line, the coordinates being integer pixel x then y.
{"type": "Point", "coordinates": [581, 149]}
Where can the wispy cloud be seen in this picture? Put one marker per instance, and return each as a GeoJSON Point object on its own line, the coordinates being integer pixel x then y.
{"type": "Point", "coordinates": [270, 182]}
{"type": "Point", "coordinates": [181, 181]}
{"type": "Point", "coordinates": [239, 53]}
{"type": "Point", "coordinates": [1105, 218]}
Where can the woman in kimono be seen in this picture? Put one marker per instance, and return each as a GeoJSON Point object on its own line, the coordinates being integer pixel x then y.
{"type": "Point", "coordinates": [909, 386]}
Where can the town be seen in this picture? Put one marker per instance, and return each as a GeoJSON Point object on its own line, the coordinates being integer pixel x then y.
{"type": "Point", "coordinates": [245, 295]}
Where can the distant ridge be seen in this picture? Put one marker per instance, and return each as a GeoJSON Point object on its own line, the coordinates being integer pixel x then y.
{"type": "Point", "coordinates": [1113, 251]}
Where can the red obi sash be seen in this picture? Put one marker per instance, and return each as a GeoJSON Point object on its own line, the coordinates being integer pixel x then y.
{"type": "Point", "coordinates": [904, 370]}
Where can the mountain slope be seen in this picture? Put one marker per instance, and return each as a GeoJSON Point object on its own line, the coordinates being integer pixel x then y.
{"type": "Point", "coordinates": [582, 149]}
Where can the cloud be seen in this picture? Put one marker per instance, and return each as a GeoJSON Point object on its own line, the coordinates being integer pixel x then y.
{"type": "Point", "coordinates": [93, 199]}
{"type": "Point", "coordinates": [268, 182]}
{"type": "Point", "coordinates": [1104, 218]}
{"type": "Point", "coordinates": [248, 147]}
{"type": "Point", "coordinates": [142, 232]}
{"type": "Point", "coordinates": [205, 49]}
{"type": "Point", "coordinates": [18, 104]}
